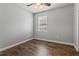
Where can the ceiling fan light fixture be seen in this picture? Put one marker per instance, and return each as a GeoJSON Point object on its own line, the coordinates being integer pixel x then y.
{"type": "Point", "coordinates": [40, 6]}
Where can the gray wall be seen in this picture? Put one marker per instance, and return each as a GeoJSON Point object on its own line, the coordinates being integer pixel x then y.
{"type": "Point", "coordinates": [75, 26]}
{"type": "Point", "coordinates": [15, 24]}
{"type": "Point", "coordinates": [77, 15]}
{"type": "Point", "coordinates": [60, 24]}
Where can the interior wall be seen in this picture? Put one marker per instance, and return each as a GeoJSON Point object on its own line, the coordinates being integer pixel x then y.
{"type": "Point", "coordinates": [60, 24]}
{"type": "Point", "coordinates": [16, 24]}
{"type": "Point", "coordinates": [75, 26]}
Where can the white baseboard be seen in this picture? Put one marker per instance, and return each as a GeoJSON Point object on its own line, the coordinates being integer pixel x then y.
{"type": "Point", "coordinates": [76, 48]}
{"type": "Point", "coordinates": [59, 42]}
{"type": "Point", "coordinates": [2, 49]}
{"type": "Point", "coordinates": [54, 41]}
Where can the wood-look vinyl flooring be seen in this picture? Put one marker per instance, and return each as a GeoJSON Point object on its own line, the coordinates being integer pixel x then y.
{"type": "Point", "coordinates": [40, 48]}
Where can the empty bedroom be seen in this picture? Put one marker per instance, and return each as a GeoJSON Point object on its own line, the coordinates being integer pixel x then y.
{"type": "Point", "coordinates": [39, 29]}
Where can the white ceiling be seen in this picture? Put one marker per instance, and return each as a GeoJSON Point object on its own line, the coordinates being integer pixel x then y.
{"type": "Point", "coordinates": [33, 10]}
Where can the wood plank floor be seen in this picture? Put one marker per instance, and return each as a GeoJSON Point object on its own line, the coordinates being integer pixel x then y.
{"type": "Point", "coordinates": [40, 48]}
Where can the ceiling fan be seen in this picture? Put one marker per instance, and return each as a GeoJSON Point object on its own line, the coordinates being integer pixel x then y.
{"type": "Point", "coordinates": [39, 6]}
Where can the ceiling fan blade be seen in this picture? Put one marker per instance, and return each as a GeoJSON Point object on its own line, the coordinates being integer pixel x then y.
{"type": "Point", "coordinates": [30, 4]}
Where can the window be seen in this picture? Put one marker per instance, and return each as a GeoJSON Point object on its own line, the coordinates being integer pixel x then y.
{"type": "Point", "coordinates": [42, 23]}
